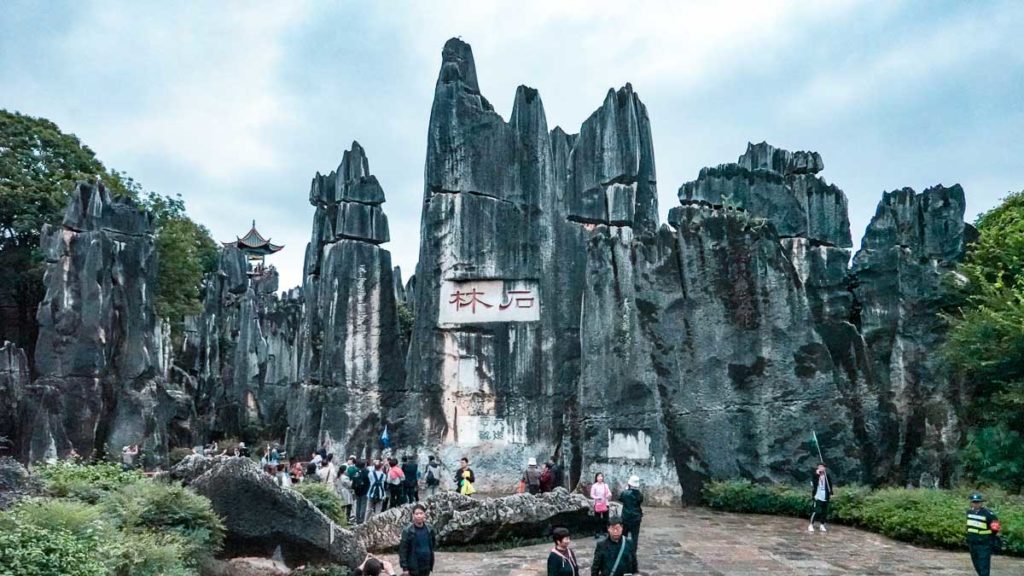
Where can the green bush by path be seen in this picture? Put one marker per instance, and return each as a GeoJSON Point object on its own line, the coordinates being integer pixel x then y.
{"type": "Point", "coordinates": [326, 499]}
{"type": "Point", "coordinates": [100, 520]}
{"type": "Point", "coordinates": [920, 516]}
{"type": "Point", "coordinates": [84, 482]}
{"type": "Point", "coordinates": [169, 510]}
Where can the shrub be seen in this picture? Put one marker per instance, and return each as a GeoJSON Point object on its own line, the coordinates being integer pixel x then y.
{"type": "Point", "coordinates": [49, 537]}
{"type": "Point", "coordinates": [168, 509]}
{"type": "Point", "coordinates": [745, 496]}
{"type": "Point", "coordinates": [920, 516]}
{"type": "Point", "coordinates": [84, 482]}
{"type": "Point", "coordinates": [143, 553]}
{"type": "Point", "coordinates": [326, 499]}
{"type": "Point", "coordinates": [28, 550]}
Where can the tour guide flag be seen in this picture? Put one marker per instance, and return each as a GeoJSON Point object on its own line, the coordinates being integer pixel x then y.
{"type": "Point", "coordinates": [384, 438]}
{"type": "Point", "coordinates": [814, 435]}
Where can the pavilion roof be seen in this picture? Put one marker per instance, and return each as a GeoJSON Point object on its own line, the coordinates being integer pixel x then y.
{"type": "Point", "coordinates": [254, 242]}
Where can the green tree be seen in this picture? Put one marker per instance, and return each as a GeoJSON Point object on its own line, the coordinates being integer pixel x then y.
{"type": "Point", "coordinates": [185, 252]}
{"type": "Point", "coordinates": [39, 167]}
{"type": "Point", "coordinates": [986, 346]}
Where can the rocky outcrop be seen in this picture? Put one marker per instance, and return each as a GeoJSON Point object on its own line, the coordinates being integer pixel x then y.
{"type": "Point", "coordinates": [903, 274]}
{"type": "Point", "coordinates": [461, 520]}
{"type": "Point", "coordinates": [15, 482]}
{"type": "Point", "coordinates": [99, 355]}
{"type": "Point", "coordinates": [14, 379]}
{"type": "Point", "coordinates": [351, 361]}
{"type": "Point", "coordinates": [261, 517]}
{"type": "Point", "coordinates": [241, 356]}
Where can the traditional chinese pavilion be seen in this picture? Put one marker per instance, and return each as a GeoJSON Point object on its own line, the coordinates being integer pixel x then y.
{"type": "Point", "coordinates": [256, 249]}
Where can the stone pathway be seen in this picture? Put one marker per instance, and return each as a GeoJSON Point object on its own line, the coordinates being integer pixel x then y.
{"type": "Point", "coordinates": [696, 541]}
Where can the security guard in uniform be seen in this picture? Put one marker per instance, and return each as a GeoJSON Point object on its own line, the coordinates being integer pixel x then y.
{"type": "Point", "coordinates": [982, 534]}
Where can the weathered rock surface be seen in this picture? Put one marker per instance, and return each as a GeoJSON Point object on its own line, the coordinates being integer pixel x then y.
{"type": "Point", "coordinates": [14, 379]}
{"type": "Point", "coordinates": [261, 517]}
{"type": "Point", "coordinates": [351, 358]}
{"type": "Point", "coordinates": [15, 482]}
{"type": "Point", "coordinates": [241, 354]}
{"type": "Point", "coordinates": [100, 354]}
{"type": "Point", "coordinates": [460, 519]}
{"type": "Point", "coordinates": [903, 272]}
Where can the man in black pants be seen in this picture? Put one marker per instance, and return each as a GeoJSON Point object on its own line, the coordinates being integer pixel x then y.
{"type": "Point", "coordinates": [416, 549]}
{"type": "Point", "coordinates": [982, 534]}
{"type": "Point", "coordinates": [821, 493]}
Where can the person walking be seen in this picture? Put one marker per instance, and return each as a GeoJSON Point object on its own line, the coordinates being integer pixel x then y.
{"type": "Point", "coordinates": [614, 555]}
{"type": "Point", "coordinates": [377, 493]}
{"type": "Point", "coordinates": [396, 480]}
{"type": "Point", "coordinates": [416, 548]}
{"type": "Point", "coordinates": [557, 478]}
{"type": "Point", "coordinates": [361, 489]}
{"type": "Point", "coordinates": [632, 510]}
{"type": "Point", "coordinates": [982, 534]}
{"type": "Point", "coordinates": [464, 478]}
{"type": "Point", "coordinates": [562, 560]}
{"type": "Point", "coordinates": [601, 494]}
{"type": "Point", "coordinates": [412, 481]}
{"type": "Point", "coordinates": [531, 476]}
{"type": "Point", "coordinates": [547, 479]}
{"type": "Point", "coordinates": [821, 492]}
{"type": "Point", "coordinates": [432, 476]}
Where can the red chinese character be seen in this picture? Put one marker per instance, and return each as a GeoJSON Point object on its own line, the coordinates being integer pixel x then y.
{"type": "Point", "coordinates": [472, 298]}
{"type": "Point", "coordinates": [521, 301]}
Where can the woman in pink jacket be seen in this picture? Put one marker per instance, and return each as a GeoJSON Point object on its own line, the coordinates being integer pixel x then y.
{"type": "Point", "coordinates": [601, 494]}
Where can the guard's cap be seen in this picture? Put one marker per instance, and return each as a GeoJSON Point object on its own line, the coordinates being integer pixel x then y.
{"type": "Point", "coordinates": [531, 462]}
{"type": "Point", "coordinates": [977, 497]}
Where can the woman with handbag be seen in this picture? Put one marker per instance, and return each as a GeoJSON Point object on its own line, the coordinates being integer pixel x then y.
{"type": "Point", "coordinates": [601, 494]}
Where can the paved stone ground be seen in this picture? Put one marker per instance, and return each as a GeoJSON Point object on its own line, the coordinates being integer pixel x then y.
{"type": "Point", "coordinates": [696, 541]}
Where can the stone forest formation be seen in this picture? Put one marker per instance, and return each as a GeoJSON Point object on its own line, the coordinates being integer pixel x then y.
{"type": "Point", "coordinates": [554, 316]}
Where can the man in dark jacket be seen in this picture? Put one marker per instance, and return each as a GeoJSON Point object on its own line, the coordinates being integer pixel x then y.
{"type": "Point", "coordinates": [632, 510]}
{"type": "Point", "coordinates": [614, 555]}
{"type": "Point", "coordinates": [982, 534]}
{"type": "Point", "coordinates": [411, 483]}
{"type": "Point", "coordinates": [416, 549]}
{"type": "Point", "coordinates": [821, 493]}
{"type": "Point", "coordinates": [360, 488]}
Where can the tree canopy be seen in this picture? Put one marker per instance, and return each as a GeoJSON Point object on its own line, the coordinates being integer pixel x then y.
{"type": "Point", "coordinates": [986, 346]}
{"type": "Point", "coordinates": [39, 167]}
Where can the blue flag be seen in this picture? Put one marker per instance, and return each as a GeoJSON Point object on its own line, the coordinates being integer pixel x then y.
{"type": "Point", "coordinates": [384, 438]}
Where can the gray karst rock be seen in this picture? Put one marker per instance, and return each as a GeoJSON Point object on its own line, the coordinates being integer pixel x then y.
{"type": "Point", "coordinates": [14, 379]}
{"type": "Point", "coordinates": [460, 519]}
{"type": "Point", "coordinates": [903, 272]}
{"type": "Point", "coordinates": [243, 356]}
{"type": "Point", "coordinates": [493, 361]}
{"type": "Point", "coordinates": [100, 353]}
{"type": "Point", "coordinates": [351, 358]}
{"type": "Point", "coordinates": [552, 317]}
{"type": "Point", "coordinates": [262, 517]}
{"type": "Point", "coordinates": [778, 185]}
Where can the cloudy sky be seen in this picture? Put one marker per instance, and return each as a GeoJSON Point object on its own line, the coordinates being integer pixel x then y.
{"type": "Point", "coordinates": [235, 105]}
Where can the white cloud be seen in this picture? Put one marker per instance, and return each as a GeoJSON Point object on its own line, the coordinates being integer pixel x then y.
{"type": "Point", "coordinates": [206, 94]}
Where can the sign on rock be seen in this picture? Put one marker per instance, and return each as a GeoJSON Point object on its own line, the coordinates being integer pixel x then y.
{"type": "Point", "coordinates": [479, 301]}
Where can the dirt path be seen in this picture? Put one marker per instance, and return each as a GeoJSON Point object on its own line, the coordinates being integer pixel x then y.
{"type": "Point", "coordinates": [697, 541]}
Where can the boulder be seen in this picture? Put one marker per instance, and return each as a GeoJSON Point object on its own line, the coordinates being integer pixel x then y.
{"type": "Point", "coordinates": [263, 518]}
{"type": "Point", "coordinates": [461, 520]}
{"type": "Point", "coordinates": [15, 482]}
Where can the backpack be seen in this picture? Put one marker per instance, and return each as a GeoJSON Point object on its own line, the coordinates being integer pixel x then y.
{"type": "Point", "coordinates": [377, 486]}
{"type": "Point", "coordinates": [360, 483]}
{"type": "Point", "coordinates": [533, 477]}
{"type": "Point", "coordinates": [431, 478]}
